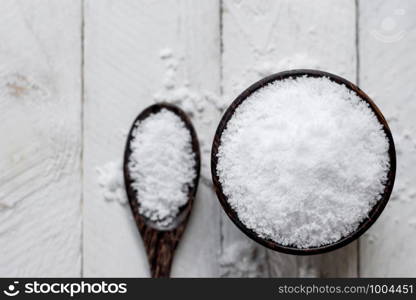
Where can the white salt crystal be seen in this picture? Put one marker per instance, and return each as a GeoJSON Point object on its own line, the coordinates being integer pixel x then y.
{"type": "Point", "coordinates": [302, 161]}
{"type": "Point", "coordinates": [161, 166]}
{"type": "Point", "coordinates": [165, 53]}
{"type": "Point", "coordinates": [110, 180]}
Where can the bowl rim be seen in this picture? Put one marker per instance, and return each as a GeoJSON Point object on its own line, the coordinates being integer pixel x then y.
{"type": "Point", "coordinates": [375, 211]}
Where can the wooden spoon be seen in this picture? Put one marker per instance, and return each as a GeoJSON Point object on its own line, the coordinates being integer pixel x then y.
{"type": "Point", "coordinates": [160, 243]}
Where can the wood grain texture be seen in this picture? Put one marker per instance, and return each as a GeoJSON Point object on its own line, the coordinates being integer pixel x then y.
{"type": "Point", "coordinates": [123, 71]}
{"type": "Point", "coordinates": [42, 173]}
{"type": "Point", "coordinates": [265, 37]}
{"type": "Point", "coordinates": [387, 42]}
{"type": "Point", "coordinates": [40, 107]}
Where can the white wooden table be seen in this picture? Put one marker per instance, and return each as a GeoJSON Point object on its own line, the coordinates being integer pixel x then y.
{"type": "Point", "coordinates": [74, 74]}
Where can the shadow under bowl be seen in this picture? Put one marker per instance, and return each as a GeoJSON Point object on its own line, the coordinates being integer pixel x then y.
{"type": "Point", "coordinates": [375, 211]}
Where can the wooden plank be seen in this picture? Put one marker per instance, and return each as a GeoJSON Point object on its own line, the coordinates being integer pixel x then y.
{"type": "Point", "coordinates": [40, 107]}
{"type": "Point", "coordinates": [137, 52]}
{"type": "Point", "coordinates": [265, 37]}
{"type": "Point", "coordinates": [387, 40]}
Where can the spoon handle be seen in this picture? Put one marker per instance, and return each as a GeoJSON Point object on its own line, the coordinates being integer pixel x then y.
{"type": "Point", "coordinates": [160, 247]}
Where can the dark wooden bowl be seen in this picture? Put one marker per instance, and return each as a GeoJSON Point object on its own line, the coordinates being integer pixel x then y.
{"type": "Point", "coordinates": [375, 211]}
{"type": "Point", "coordinates": [161, 242]}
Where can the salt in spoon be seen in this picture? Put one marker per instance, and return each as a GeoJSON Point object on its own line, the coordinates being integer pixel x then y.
{"type": "Point", "coordinates": [161, 242]}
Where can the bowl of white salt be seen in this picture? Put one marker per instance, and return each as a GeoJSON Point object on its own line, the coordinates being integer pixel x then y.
{"type": "Point", "coordinates": [303, 162]}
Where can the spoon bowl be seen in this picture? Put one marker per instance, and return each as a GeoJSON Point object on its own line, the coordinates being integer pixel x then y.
{"type": "Point", "coordinates": [373, 214]}
{"type": "Point", "coordinates": [161, 241]}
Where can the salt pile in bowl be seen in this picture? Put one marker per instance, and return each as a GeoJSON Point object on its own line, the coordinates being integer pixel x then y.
{"type": "Point", "coordinates": [161, 166]}
{"type": "Point", "coordinates": [302, 161]}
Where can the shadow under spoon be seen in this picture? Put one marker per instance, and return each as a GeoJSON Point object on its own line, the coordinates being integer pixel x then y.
{"type": "Point", "coordinates": [161, 242]}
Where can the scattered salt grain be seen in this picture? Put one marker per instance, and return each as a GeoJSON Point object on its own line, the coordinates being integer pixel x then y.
{"type": "Point", "coordinates": [202, 106]}
{"type": "Point", "coordinates": [110, 180]}
{"type": "Point", "coordinates": [161, 166]}
{"type": "Point", "coordinates": [302, 161]}
{"type": "Point", "coordinates": [241, 259]}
